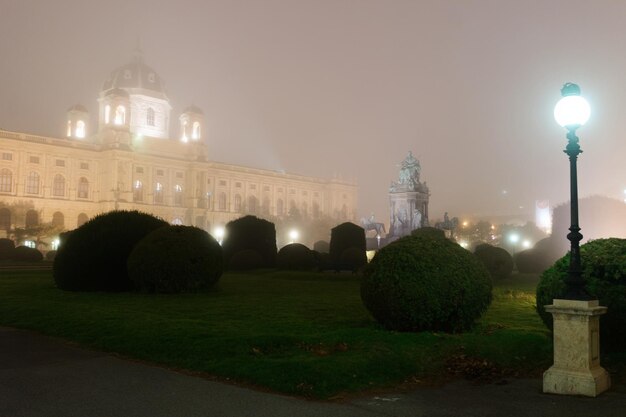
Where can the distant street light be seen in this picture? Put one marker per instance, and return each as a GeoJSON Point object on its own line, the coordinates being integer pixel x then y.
{"type": "Point", "coordinates": [571, 112]}
{"type": "Point", "coordinates": [514, 238]}
{"type": "Point", "coordinates": [293, 235]}
{"type": "Point", "coordinates": [219, 234]}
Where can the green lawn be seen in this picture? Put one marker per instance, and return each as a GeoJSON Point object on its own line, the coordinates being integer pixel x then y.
{"type": "Point", "coordinates": [300, 333]}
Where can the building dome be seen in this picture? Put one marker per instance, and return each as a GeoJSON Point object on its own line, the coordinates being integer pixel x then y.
{"type": "Point", "coordinates": [193, 109]}
{"type": "Point", "coordinates": [135, 75]}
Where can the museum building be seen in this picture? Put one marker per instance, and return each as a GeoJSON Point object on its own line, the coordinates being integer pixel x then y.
{"type": "Point", "coordinates": [130, 162]}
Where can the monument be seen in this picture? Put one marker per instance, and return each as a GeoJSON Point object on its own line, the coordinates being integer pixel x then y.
{"type": "Point", "coordinates": [408, 199]}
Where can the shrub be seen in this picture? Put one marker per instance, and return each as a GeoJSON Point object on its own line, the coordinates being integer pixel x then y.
{"type": "Point", "coordinates": [295, 256]}
{"type": "Point", "coordinates": [498, 261]}
{"type": "Point", "coordinates": [420, 283]}
{"type": "Point", "coordinates": [353, 259]}
{"type": "Point", "coordinates": [6, 248]}
{"type": "Point", "coordinates": [246, 259]}
{"type": "Point", "coordinates": [321, 246]}
{"type": "Point", "coordinates": [346, 235]}
{"type": "Point", "coordinates": [604, 269]}
{"type": "Point", "coordinates": [251, 233]}
{"type": "Point", "coordinates": [175, 259]}
{"type": "Point", "coordinates": [26, 254]}
{"type": "Point", "coordinates": [50, 255]}
{"type": "Point", "coordinates": [93, 257]}
{"type": "Point", "coordinates": [532, 261]}
{"type": "Point", "coordinates": [429, 231]}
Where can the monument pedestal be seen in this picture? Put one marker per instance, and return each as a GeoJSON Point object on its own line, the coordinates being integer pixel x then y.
{"type": "Point", "coordinates": [576, 369]}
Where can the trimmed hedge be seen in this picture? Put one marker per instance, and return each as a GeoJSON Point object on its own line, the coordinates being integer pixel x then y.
{"type": "Point", "coordinates": [429, 231]}
{"type": "Point", "coordinates": [295, 256]}
{"type": "Point", "coordinates": [425, 283]}
{"type": "Point", "coordinates": [175, 259]}
{"type": "Point", "coordinates": [250, 233]}
{"type": "Point", "coordinates": [26, 254]}
{"type": "Point", "coordinates": [353, 259]}
{"type": "Point", "coordinates": [6, 248]}
{"type": "Point", "coordinates": [604, 269]}
{"type": "Point", "coordinates": [245, 260]}
{"type": "Point", "coordinates": [93, 257]}
{"type": "Point", "coordinates": [498, 261]}
{"type": "Point", "coordinates": [346, 235]}
{"type": "Point", "coordinates": [321, 246]}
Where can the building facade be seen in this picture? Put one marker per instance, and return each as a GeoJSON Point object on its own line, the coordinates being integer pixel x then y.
{"type": "Point", "coordinates": [130, 162]}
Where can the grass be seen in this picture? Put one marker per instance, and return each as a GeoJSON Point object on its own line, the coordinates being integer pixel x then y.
{"type": "Point", "coordinates": [300, 333]}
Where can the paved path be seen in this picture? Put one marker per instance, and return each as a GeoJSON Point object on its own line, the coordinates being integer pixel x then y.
{"type": "Point", "coordinates": [41, 376]}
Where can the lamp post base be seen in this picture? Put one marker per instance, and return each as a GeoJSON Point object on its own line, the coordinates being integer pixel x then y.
{"type": "Point", "coordinates": [576, 369]}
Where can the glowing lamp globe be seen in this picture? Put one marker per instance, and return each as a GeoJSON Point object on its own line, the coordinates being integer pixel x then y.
{"type": "Point", "coordinates": [572, 110]}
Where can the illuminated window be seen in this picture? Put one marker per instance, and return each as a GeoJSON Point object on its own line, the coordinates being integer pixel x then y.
{"type": "Point", "coordinates": [83, 188]}
{"type": "Point", "coordinates": [32, 218]}
{"type": "Point", "coordinates": [177, 221]}
{"type": "Point", "coordinates": [32, 183]}
{"type": "Point", "coordinates": [69, 128]}
{"type": "Point", "coordinates": [60, 163]}
{"type": "Point", "coordinates": [195, 131]}
{"type": "Point", "coordinates": [252, 204]}
{"type": "Point", "coordinates": [7, 156]}
{"type": "Point", "coordinates": [178, 195]}
{"type": "Point", "coordinates": [120, 115]}
{"type": "Point", "coordinates": [221, 202]}
{"type": "Point", "coordinates": [58, 186]}
{"type": "Point", "coordinates": [184, 137]}
{"type": "Point", "coordinates": [82, 219]}
{"type": "Point", "coordinates": [150, 117]}
{"type": "Point", "coordinates": [158, 193]}
{"type": "Point", "coordinates": [80, 129]}
{"type": "Point", "coordinates": [6, 181]}
{"type": "Point", "coordinates": [107, 114]}
{"type": "Point", "coordinates": [33, 160]}
{"type": "Point", "coordinates": [5, 218]}
{"type": "Point", "coordinates": [265, 207]}
{"type": "Point", "coordinates": [138, 191]}
{"type": "Point", "coordinates": [84, 165]}
{"type": "Point", "coordinates": [237, 203]}
{"type": "Point", "coordinates": [58, 219]}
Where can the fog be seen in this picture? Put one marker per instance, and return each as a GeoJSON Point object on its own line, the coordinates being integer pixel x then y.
{"type": "Point", "coordinates": [347, 87]}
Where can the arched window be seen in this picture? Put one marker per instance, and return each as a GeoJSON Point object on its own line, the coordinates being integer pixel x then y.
{"type": "Point", "coordinates": [120, 115]}
{"type": "Point", "coordinates": [158, 193]}
{"type": "Point", "coordinates": [183, 136]}
{"type": "Point", "coordinates": [252, 204]}
{"type": "Point", "coordinates": [83, 188]}
{"type": "Point", "coordinates": [237, 203]}
{"type": "Point", "coordinates": [177, 221]}
{"type": "Point", "coordinates": [195, 131]}
{"type": "Point", "coordinates": [305, 209]}
{"type": "Point", "coordinates": [58, 186]}
{"type": "Point", "coordinates": [178, 195]}
{"type": "Point", "coordinates": [69, 128]}
{"type": "Point", "coordinates": [293, 209]}
{"type": "Point", "coordinates": [6, 181]}
{"type": "Point", "coordinates": [32, 218]}
{"type": "Point", "coordinates": [279, 207]}
{"type": "Point", "coordinates": [32, 183]}
{"type": "Point", "coordinates": [107, 114]}
{"type": "Point", "coordinates": [150, 117]}
{"type": "Point", "coordinates": [80, 129]}
{"type": "Point", "coordinates": [265, 208]}
{"type": "Point", "coordinates": [344, 212]}
{"type": "Point", "coordinates": [5, 218]}
{"type": "Point", "coordinates": [82, 219]}
{"type": "Point", "coordinates": [58, 219]}
{"type": "Point", "coordinates": [221, 202]}
{"type": "Point", "coordinates": [138, 191]}
{"type": "Point", "coordinates": [316, 210]}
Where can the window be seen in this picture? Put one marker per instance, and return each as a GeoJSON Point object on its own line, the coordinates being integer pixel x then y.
{"type": "Point", "coordinates": [208, 181]}
{"type": "Point", "coordinates": [177, 221]}
{"type": "Point", "coordinates": [107, 114]}
{"type": "Point", "coordinates": [120, 115]}
{"type": "Point", "coordinates": [292, 191]}
{"type": "Point", "coordinates": [32, 183]}
{"type": "Point", "coordinates": [266, 188]}
{"type": "Point", "coordinates": [82, 219]}
{"type": "Point", "coordinates": [253, 186]}
{"type": "Point", "coordinates": [252, 204]}
{"type": "Point", "coordinates": [60, 163]}
{"type": "Point", "coordinates": [237, 185]}
{"type": "Point", "coordinates": [33, 159]}
{"type": "Point", "coordinates": [80, 129]}
{"type": "Point", "coordinates": [178, 195]}
{"type": "Point", "coordinates": [138, 191]}
{"type": "Point", "coordinates": [160, 172]}
{"type": "Point", "coordinates": [279, 207]}
{"type": "Point", "coordinates": [5, 218]}
{"type": "Point", "coordinates": [265, 208]}
{"type": "Point", "coordinates": [221, 202]}
{"type": "Point", "coordinates": [58, 186]}
{"type": "Point", "coordinates": [158, 193]}
{"type": "Point", "coordinates": [150, 117]}
{"type": "Point", "coordinates": [32, 218]}
{"type": "Point", "coordinates": [179, 175]}
{"type": "Point", "coordinates": [6, 156]}
{"type": "Point", "coordinates": [6, 181]}
{"type": "Point", "coordinates": [237, 203]}
{"type": "Point", "coordinates": [280, 190]}
{"type": "Point", "coordinates": [195, 131]}
{"type": "Point", "coordinates": [69, 128]}
{"type": "Point", "coordinates": [58, 219]}
{"type": "Point", "coordinates": [84, 165]}
{"type": "Point", "coordinates": [222, 183]}
{"type": "Point", "coordinates": [305, 193]}
{"type": "Point", "coordinates": [83, 188]}
{"type": "Point", "coordinates": [139, 170]}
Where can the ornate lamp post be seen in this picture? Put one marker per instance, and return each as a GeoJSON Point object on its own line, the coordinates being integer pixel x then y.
{"type": "Point", "coordinates": [576, 316]}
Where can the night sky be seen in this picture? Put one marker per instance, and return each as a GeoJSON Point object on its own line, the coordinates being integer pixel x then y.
{"type": "Point", "coordinates": [347, 88]}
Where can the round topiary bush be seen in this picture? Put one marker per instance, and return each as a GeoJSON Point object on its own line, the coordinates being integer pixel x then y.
{"type": "Point", "coordinates": [175, 259]}
{"type": "Point", "coordinates": [604, 269]}
{"type": "Point", "coordinates": [424, 282]}
{"type": "Point", "coordinates": [353, 259]}
{"type": "Point", "coordinates": [6, 248]}
{"type": "Point", "coordinates": [429, 231]}
{"type": "Point", "coordinates": [245, 260]}
{"type": "Point", "coordinates": [498, 261]}
{"type": "Point", "coordinates": [26, 254]}
{"type": "Point", "coordinates": [93, 257]}
{"type": "Point", "coordinates": [250, 233]}
{"type": "Point", "coordinates": [295, 256]}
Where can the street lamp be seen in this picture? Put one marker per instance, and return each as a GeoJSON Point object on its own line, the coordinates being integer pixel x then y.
{"type": "Point", "coordinates": [219, 233]}
{"type": "Point", "coordinates": [293, 235]}
{"type": "Point", "coordinates": [571, 112]}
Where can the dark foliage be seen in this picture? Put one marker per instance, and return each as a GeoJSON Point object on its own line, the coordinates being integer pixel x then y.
{"type": "Point", "coordinates": [429, 231]}
{"type": "Point", "coordinates": [295, 256]}
{"type": "Point", "coordinates": [6, 248]}
{"type": "Point", "coordinates": [93, 257]}
{"type": "Point", "coordinates": [352, 259]}
{"type": "Point", "coordinates": [26, 254]}
{"type": "Point", "coordinates": [245, 260]}
{"type": "Point", "coordinates": [425, 283]}
{"type": "Point", "coordinates": [321, 246]}
{"type": "Point", "coordinates": [251, 233]}
{"type": "Point", "coordinates": [346, 235]}
{"type": "Point", "coordinates": [175, 259]}
{"type": "Point", "coordinates": [604, 269]}
{"type": "Point", "coordinates": [498, 261]}
{"type": "Point", "coordinates": [50, 255]}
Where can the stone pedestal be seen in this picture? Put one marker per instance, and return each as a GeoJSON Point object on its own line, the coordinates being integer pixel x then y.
{"type": "Point", "coordinates": [576, 369]}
